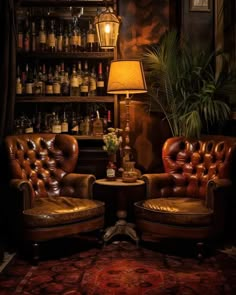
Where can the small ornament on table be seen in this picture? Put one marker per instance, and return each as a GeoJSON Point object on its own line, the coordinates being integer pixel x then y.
{"type": "Point", "coordinates": [112, 141]}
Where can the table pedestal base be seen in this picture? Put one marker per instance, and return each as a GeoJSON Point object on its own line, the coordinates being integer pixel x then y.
{"type": "Point", "coordinates": [121, 228]}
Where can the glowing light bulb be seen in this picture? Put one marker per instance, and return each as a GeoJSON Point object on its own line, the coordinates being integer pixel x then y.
{"type": "Point", "coordinates": [107, 28]}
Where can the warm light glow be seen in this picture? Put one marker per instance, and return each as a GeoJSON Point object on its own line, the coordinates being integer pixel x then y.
{"type": "Point", "coordinates": [107, 28]}
{"type": "Point", "coordinates": [126, 77]}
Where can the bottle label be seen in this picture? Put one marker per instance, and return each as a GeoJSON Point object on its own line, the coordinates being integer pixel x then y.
{"type": "Point", "coordinates": [29, 130]}
{"type": "Point", "coordinates": [18, 88]}
{"type": "Point", "coordinates": [84, 88]}
{"type": "Point", "coordinates": [59, 43]}
{"type": "Point", "coordinates": [51, 40]}
{"type": "Point", "coordinates": [111, 173]}
{"type": "Point", "coordinates": [49, 89]}
{"type": "Point", "coordinates": [64, 127]}
{"type": "Point", "coordinates": [74, 40]}
{"type": "Point", "coordinates": [42, 37]}
{"type": "Point", "coordinates": [90, 38]}
{"type": "Point", "coordinates": [97, 127]}
{"type": "Point", "coordinates": [56, 88]}
{"type": "Point", "coordinates": [56, 128]}
{"type": "Point", "coordinates": [29, 88]}
{"type": "Point", "coordinates": [100, 84]}
{"type": "Point", "coordinates": [74, 82]}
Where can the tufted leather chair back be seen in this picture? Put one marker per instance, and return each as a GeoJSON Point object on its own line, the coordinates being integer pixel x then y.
{"type": "Point", "coordinates": [193, 163]}
{"type": "Point", "coordinates": [42, 159]}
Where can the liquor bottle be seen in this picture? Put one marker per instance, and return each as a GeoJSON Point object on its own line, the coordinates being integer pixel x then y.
{"type": "Point", "coordinates": [84, 87]}
{"type": "Point", "coordinates": [18, 82]}
{"type": "Point", "coordinates": [93, 83]}
{"type": "Point", "coordinates": [60, 38]}
{"type": "Point", "coordinates": [28, 126]}
{"type": "Point", "coordinates": [74, 83]}
{"type": "Point", "coordinates": [29, 83]}
{"type": "Point", "coordinates": [42, 36]}
{"type": "Point", "coordinates": [109, 120]}
{"type": "Point", "coordinates": [56, 83]}
{"type": "Point", "coordinates": [52, 37]}
{"type": "Point", "coordinates": [74, 36]}
{"type": "Point", "coordinates": [33, 37]}
{"type": "Point", "coordinates": [20, 37]}
{"type": "Point", "coordinates": [44, 79]}
{"type": "Point", "coordinates": [97, 125]}
{"type": "Point", "coordinates": [74, 125]}
{"type": "Point", "coordinates": [100, 81]}
{"type": "Point", "coordinates": [26, 39]}
{"type": "Point", "coordinates": [79, 74]}
{"type": "Point", "coordinates": [64, 124]}
{"type": "Point", "coordinates": [49, 83]}
{"type": "Point", "coordinates": [56, 123]}
{"type": "Point", "coordinates": [38, 122]}
{"type": "Point", "coordinates": [65, 85]}
{"type": "Point", "coordinates": [83, 40]}
{"type": "Point", "coordinates": [111, 170]}
{"type": "Point", "coordinates": [66, 38]}
{"type": "Point", "coordinates": [90, 38]}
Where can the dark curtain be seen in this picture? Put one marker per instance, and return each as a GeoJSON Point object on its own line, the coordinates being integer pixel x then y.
{"type": "Point", "coordinates": [7, 99]}
{"type": "Point", "coordinates": [8, 66]}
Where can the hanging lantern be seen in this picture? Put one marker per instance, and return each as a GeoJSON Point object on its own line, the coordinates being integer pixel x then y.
{"type": "Point", "coordinates": [107, 26]}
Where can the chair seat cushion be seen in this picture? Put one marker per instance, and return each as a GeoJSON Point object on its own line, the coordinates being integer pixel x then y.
{"type": "Point", "coordinates": [61, 210]}
{"type": "Point", "coordinates": [175, 211]}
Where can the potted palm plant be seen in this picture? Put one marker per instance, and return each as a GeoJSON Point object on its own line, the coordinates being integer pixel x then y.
{"type": "Point", "coordinates": [184, 86]}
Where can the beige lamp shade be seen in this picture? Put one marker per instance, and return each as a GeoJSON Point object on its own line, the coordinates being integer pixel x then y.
{"type": "Point", "coordinates": [126, 77]}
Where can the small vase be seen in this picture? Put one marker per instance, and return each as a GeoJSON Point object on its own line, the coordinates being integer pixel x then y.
{"type": "Point", "coordinates": [129, 174]}
{"type": "Point", "coordinates": [111, 167]}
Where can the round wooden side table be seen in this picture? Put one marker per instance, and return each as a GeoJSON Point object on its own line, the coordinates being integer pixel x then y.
{"type": "Point", "coordinates": [121, 227]}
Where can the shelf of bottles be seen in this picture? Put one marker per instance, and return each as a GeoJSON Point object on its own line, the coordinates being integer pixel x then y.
{"type": "Point", "coordinates": [59, 61]}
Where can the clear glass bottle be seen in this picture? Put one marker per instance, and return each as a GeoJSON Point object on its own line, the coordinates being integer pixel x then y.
{"type": "Point", "coordinates": [56, 83]}
{"type": "Point", "coordinates": [42, 36]}
{"type": "Point", "coordinates": [52, 37]}
{"type": "Point", "coordinates": [84, 87]}
{"type": "Point", "coordinates": [90, 38]}
{"type": "Point", "coordinates": [66, 41]}
{"type": "Point", "coordinates": [74, 83]}
{"type": "Point", "coordinates": [29, 83]}
{"type": "Point", "coordinates": [93, 83]}
{"type": "Point", "coordinates": [65, 85]}
{"type": "Point", "coordinates": [64, 124]}
{"type": "Point", "coordinates": [56, 123]}
{"type": "Point", "coordinates": [60, 38]}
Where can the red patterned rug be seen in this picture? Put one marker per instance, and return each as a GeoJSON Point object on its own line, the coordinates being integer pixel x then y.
{"type": "Point", "coordinates": [121, 269]}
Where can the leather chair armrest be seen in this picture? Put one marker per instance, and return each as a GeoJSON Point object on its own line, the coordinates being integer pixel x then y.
{"type": "Point", "coordinates": [77, 185]}
{"type": "Point", "coordinates": [217, 189]}
{"type": "Point", "coordinates": [219, 192]}
{"type": "Point", "coordinates": [155, 182]}
{"type": "Point", "coordinates": [22, 191]}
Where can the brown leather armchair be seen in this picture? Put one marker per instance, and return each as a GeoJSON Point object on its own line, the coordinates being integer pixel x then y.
{"type": "Point", "coordinates": [47, 200]}
{"type": "Point", "coordinates": [190, 199]}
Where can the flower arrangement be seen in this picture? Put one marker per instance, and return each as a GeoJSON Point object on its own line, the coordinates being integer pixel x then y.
{"type": "Point", "coordinates": [112, 140]}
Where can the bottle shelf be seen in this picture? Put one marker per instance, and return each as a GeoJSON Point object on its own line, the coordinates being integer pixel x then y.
{"type": "Point", "coordinates": [63, 99]}
{"type": "Point", "coordinates": [67, 55]}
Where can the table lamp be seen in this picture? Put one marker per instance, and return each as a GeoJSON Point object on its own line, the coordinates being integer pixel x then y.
{"type": "Point", "coordinates": [126, 77]}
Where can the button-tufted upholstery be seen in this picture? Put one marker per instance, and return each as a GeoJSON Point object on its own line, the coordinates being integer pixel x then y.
{"type": "Point", "coordinates": [49, 200]}
{"type": "Point", "coordinates": [189, 199]}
